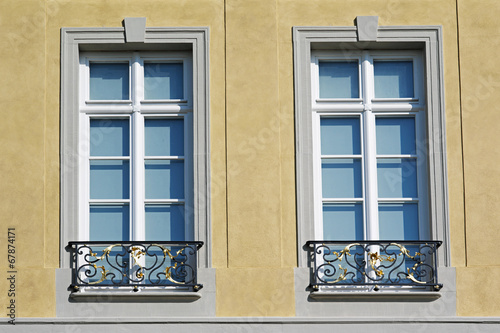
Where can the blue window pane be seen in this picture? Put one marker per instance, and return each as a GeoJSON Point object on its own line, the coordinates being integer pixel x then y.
{"type": "Point", "coordinates": [109, 81]}
{"type": "Point", "coordinates": [165, 222]}
{"type": "Point", "coordinates": [164, 180]}
{"type": "Point", "coordinates": [338, 79]}
{"type": "Point", "coordinates": [393, 79]}
{"type": "Point", "coordinates": [109, 179]}
{"type": "Point", "coordinates": [398, 221]}
{"type": "Point", "coordinates": [109, 223]}
{"type": "Point", "coordinates": [109, 137]}
{"type": "Point", "coordinates": [341, 178]}
{"type": "Point", "coordinates": [342, 221]}
{"type": "Point", "coordinates": [163, 81]}
{"type": "Point", "coordinates": [164, 137]}
{"type": "Point", "coordinates": [397, 178]}
{"type": "Point", "coordinates": [395, 135]}
{"type": "Point", "coordinates": [340, 136]}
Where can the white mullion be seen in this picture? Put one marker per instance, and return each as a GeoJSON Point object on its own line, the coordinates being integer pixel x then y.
{"type": "Point", "coordinates": [166, 158]}
{"type": "Point", "coordinates": [189, 195]}
{"type": "Point", "coordinates": [137, 153]}
{"type": "Point", "coordinates": [84, 179]}
{"type": "Point", "coordinates": [84, 81]}
{"type": "Point", "coordinates": [107, 158]}
{"type": "Point", "coordinates": [370, 148]}
{"type": "Point", "coordinates": [342, 200]}
{"type": "Point", "coordinates": [112, 109]}
{"type": "Point", "coordinates": [165, 201]}
{"type": "Point", "coordinates": [398, 200]}
{"type": "Point", "coordinates": [344, 107]}
{"type": "Point", "coordinates": [324, 157]}
{"type": "Point", "coordinates": [422, 178]}
{"type": "Point", "coordinates": [317, 178]}
{"type": "Point", "coordinates": [402, 156]}
{"type": "Point", "coordinates": [109, 201]}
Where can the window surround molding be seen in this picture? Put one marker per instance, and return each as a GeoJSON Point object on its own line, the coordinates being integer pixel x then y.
{"type": "Point", "coordinates": [368, 35]}
{"type": "Point", "coordinates": [134, 36]}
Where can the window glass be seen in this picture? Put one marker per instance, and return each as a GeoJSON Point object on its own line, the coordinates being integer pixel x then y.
{"type": "Point", "coordinates": [341, 178]}
{"type": "Point", "coordinates": [398, 221]}
{"type": "Point", "coordinates": [109, 179]}
{"type": "Point", "coordinates": [342, 221]}
{"type": "Point", "coordinates": [164, 137]}
{"type": "Point", "coordinates": [393, 79]}
{"type": "Point", "coordinates": [395, 135]}
{"type": "Point", "coordinates": [109, 81]}
{"type": "Point", "coordinates": [338, 79]}
{"type": "Point", "coordinates": [163, 81]}
{"type": "Point", "coordinates": [109, 137]}
{"type": "Point", "coordinates": [340, 136]}
{"type": "Point", "coordinates": [397, 178]}
{"type": "Point", "coordinates": [109, 222]}
{"type": "Point", "coordinates": [165, 222]}
{"type": "Point", "coordinates": [164, 179]}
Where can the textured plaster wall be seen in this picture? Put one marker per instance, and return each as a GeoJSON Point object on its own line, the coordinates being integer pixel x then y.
{"type": "Point", "coordinates": [477, 284]}
{"type": "Point", "coordinates": [30, 52]}
{"type": "Point", "coordinates": [260, 118]}
{"type": "Point", "coordinates": [23, 156]}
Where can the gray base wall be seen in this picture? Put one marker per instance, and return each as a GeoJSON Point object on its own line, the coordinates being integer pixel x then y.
{"type": "Point", "coordinates": [198, 315]}
{"type": "Point", "coordinates": [235, 325]}
{"type": "Point", "coordinates": [137, 305]}
{"type": "Point", "coordinates": [378, 305]}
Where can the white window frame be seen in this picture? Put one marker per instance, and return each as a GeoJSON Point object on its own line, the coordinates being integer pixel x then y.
{"type": "Point", "coordinates": [426, 39]}
{"type": "Point", "coordinates": [136, 110]}
{"type": "Point", "coordinates": [172, 41]}
{"type": "Point", "coordinates": [367, 108]}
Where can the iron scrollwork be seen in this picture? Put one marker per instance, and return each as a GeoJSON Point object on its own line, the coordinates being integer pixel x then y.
{"type": "Point", "coordinates": [374, 263]}
{"type": "Point", "coordinates": [134, 264]}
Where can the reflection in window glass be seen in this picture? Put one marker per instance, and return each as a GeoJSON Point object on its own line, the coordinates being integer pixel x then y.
{"type": "Point", "coordinates": [341, 178]}
{"type": "Point", "coordinates": [340, 136]}
{"type": "Point", "coordinates": [338, 79]}
{"type": "Point", "coordinates": [342, 221]}
{"type": "Point", "coordinates": [393, 79]}
{"type": "Point", "coordinates": [164, 137]}
{"type": "Point", "coordinates": [165, 222]}
{"type": "Point", "coordinates": [163, 81]}
{"type": "Point", "coordinates": [109, 223]}
{"type": "Point", "coordinates": [395, 135]}
{"type": "Point", "coordinates": [398, 221]}
{"type": "Point", "coordinates": [109, 137]}
{"type": "Point", "coordinates": [109, 81]}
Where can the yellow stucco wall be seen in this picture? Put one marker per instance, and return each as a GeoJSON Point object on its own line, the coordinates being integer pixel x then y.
{"type": "Point", "coordinates": [22, 176]}
{"type": "Point", "coordinates": [251, 133]}
{"type": "Point", "coordinates": [478, 288]}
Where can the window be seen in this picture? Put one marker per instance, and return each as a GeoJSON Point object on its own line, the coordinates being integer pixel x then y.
{"type": "Point", "coordinates": [136, 140]}
{"type": "Point", "coordinates": [134, 149]}
{"type": "Point", "coordinates": [368, 116]}
{"type": "Point", "coordinates": [370, 152]}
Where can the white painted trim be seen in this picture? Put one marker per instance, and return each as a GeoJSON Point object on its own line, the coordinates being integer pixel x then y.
{"type": "Point", "coordinates": [426, 39]}
{"type": "Point", "coordinates": [74, 41]}
{"type": "Point", "coordinates": [98, 295]}
{"type": "Point", "coordinates": [375, 296]}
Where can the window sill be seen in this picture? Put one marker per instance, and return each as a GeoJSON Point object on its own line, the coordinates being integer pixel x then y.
{"type": "Point", "coordinates": [377, 296]}
{"type": "Point", "coordinates": [100, 295]}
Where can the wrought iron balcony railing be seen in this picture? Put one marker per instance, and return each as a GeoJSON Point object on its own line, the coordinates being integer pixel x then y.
{"type": "Point", "coordinates": [134, 264]}
{"type": "Point", "coordinates": [377, 264]}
